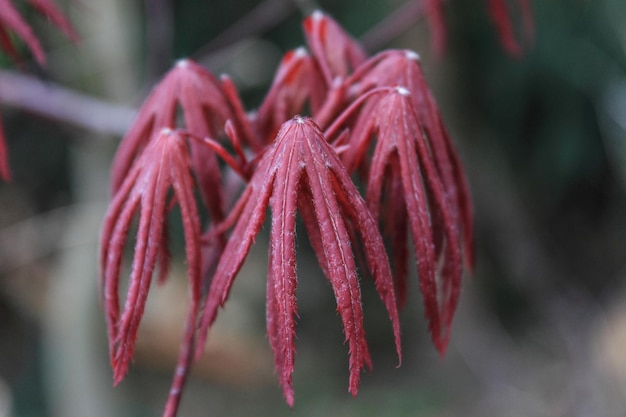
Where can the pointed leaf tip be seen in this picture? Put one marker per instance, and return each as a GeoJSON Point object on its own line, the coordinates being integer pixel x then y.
{"type": "Point", "coordinates": [163, 167]}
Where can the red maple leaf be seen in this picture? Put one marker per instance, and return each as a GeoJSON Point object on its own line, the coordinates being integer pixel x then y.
{"type": "Point", "coordinates": [336, 52]}
{"type": "Point", "coordinates": [163, 165]}
{"type": "Point", "coordinates": [12, 21]}
{"type": "Point", "coordinates": [403, 170]}
{"type": "Point", "coordinates": [302, 172]}
{"type": "Point", "coordinates": [205, 108]}
{"type": "Point", "coordinates": [297, 80]}
{"type": "Point", "coordinates": [402, 68]}
{"type": "Point", "coordinates": [160, 178]}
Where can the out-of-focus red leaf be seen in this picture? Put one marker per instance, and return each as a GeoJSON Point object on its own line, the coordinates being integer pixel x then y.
{"type": "Point", "coordinates": [12, 21]}
{"type": "Point", "coordinates": [5, 171]}
{"type": "Point", "coordinates": [500, 16]}
{"type": "Point", "coordinates": [52, 12]}
{"type": "Point", "coordinates": [7, 46]}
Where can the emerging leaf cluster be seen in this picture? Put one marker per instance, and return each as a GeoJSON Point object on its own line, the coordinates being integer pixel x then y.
{"type": "Point", "coordinates": [368, 117]}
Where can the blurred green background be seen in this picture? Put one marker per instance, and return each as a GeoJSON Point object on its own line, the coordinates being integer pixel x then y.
{"type": "Point", "coordinates": [541, 327]}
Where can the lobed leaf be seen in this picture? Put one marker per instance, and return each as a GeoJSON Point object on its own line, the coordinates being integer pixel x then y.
{"type": "Point", "coordinates": [302, 171]}
{"type": "Point", "coordinates": [402, 68]}
{"type": "Point", "coordinates": [205, 110]}
{"type": "Point", "coordinates": [297, 79]}
{"type": "Point", "coordinates": [336, 52]}
{"type": "Point", "coordinates": [163, 167]}
{"type": "Point", "coordinates": [399, 132]}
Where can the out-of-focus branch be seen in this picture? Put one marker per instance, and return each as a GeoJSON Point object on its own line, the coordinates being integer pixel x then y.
{"type": "Point", "coordinates": [62, 104]}
{"type": "Point", "coordinates": [263, 17]}
{"type": "Point", "coordinates": [393, 25]}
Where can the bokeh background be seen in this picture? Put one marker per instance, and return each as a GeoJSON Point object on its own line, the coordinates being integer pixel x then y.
{"type": "Point", "coordinates": [541, 327]}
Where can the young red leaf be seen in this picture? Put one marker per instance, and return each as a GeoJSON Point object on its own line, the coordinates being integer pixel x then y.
{"type": "Point", "coordinates": [403, 159]}
{"type": "Point", "coordinates": [336, 52]}
{"type": "Point", "coordinates": [164, 167]}
{"type": "Point", "coordinates": [302, 171]}
{"type": "Point", "coordinates": [205, 109]}
{"type": "Point", "coordinates": [402, 68]}
{"type": "Point", "coordinates": [297, 79]}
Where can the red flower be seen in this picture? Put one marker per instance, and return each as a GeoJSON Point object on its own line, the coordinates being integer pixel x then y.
{"type": "Point", "coordinates": [301, 171]}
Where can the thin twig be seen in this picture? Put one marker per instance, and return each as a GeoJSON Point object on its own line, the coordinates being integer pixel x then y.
{"type": "Point", "coordinates": [257, 21]}
{"type": "Point", "coordinates": [393, 25]}
{"type": "Point", "coordinates": [62, 104]}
